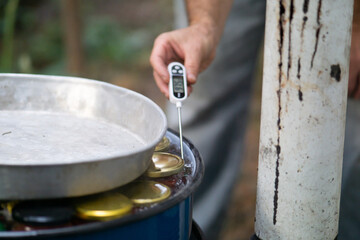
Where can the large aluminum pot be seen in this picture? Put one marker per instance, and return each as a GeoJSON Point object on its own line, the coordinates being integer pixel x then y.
{"type": "Point", "coordinates": [67, 136]}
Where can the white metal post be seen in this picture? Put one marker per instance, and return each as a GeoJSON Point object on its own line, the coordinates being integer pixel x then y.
{"type": "Point", "coordinates": [306, 62]}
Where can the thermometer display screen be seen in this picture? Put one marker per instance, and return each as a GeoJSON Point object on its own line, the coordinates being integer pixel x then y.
{"type": "Point", "coordinates": [178, 86]}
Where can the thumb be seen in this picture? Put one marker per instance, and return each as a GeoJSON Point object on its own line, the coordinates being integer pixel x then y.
{"type": "Point", "coordinates": [192, 65]}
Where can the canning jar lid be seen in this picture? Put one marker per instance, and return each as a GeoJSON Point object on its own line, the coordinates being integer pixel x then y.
{"type": "Point", "coordinates": [163, 145]}
{"type": "Point", "coordinates": [104, 207]}
{"type": "Point", "coordinates": [43, 213]}
{"type": "Point", "coordinates": [146, 192]}
{"type": "Point", "coordinates": [164, 164]}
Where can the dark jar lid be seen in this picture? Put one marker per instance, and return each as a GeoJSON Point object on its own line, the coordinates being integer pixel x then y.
{"type": "Point", "coordinates": [43, 213]}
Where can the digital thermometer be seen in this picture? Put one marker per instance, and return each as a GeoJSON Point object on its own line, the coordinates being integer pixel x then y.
{"type": "Point", "coordinates": [178, 92]}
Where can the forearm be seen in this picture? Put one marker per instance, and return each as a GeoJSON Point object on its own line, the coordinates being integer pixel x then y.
{"type": "Point", "coordinates": [354, 73]}
{"type": "Point", "coordinates": [210, 13]}
{"type": "Point", "coordinates": [356, 27]}
{"type": "Point", "coordinates": [356, 17]}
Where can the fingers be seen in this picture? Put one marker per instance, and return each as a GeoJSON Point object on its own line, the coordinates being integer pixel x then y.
{"type": "Point", "coordinates": [166, 50]}
{"type": "Point", "coordinates": [192, 65]}
{"type": "Point", "coordinates": [188, 45]}
{"type": "Point", "coordinates": [162, 85]}
{"type": "Point", "coordinates": [158, 59]}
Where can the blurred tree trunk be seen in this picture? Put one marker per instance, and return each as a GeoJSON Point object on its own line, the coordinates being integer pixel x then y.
{"type": "Point", "coordinates": [71, 17]}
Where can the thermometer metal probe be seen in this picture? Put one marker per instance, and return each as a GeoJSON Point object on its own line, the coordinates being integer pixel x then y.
{"type": "Point", "coordinates": [178, 92]}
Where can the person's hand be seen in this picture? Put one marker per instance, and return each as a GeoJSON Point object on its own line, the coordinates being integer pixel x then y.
{"type": "Point", "coordinates": [193, 46]}
{"type": "Point", "coordinates": [354, 73]}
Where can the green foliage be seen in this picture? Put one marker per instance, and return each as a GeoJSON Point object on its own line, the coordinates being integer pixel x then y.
{"type": "Point", "coordinates": [106, 40]}
{"type": "Point", "coordinates": [8, 35]}
{"type": "Point", "coordinates": [37, 38]}
{"type": "Point", "coordinates": [46, 46]}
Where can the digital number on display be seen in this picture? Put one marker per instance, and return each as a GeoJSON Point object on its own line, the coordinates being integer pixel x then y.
{"type": "Point", "coordinates": [178, 84]}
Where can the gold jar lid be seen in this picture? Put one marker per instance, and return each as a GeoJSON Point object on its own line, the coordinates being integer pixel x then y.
{"type": "Point", "coordinates": [104, 207]}
{"type": "Point", "coordinates": [164, 164]}
{"type": "Point", "coordinates": [163, 145]}
{"type": "Point", "coordinates": [146, 192]}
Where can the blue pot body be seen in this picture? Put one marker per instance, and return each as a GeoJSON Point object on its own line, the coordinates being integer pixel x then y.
{"type": "Point", "coordinates": [173, 223]}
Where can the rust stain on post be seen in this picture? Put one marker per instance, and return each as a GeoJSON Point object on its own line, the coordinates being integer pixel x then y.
{"type": "Point", "coordinates": [299, 69]}
{"type": "Point", "coordinates": [278, 147]}
{"type": "Point", "coordinates": [336, 72]}
{"type": "Point", "coordinates": [289, 48]}
{"type": "Point", "coordinates": [317, 32]}
{"type": "Point", "coordinates": [298, 75]}
{"type": "Point", "coordinates": [300, 94]}
{"type": "Point", "coordinates": [305, 18]}
{"type": "Point", "coordinates": [305, 6]}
